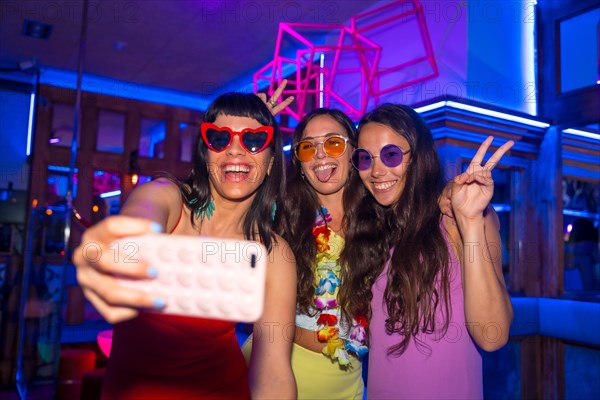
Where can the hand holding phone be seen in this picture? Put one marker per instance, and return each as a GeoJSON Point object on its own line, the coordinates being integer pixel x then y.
{"type": "Point", "coordinates": [201, 276]}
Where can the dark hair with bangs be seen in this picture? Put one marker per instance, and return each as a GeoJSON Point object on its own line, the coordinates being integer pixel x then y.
{"type": "Point", "coordinates": [258, 222]}
{"type": "Point", "coordinates": [301, 205]}
{"type": "Point", "coordinates": [412, 227]}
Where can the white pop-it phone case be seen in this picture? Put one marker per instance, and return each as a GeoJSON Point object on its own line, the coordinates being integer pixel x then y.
{"type": "Point", "coordinates": [201, 276]}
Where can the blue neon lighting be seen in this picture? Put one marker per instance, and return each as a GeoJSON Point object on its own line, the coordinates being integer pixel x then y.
{"type": "Point", "coordinates": [287, 147]}
{"type": "Point", "coordinates": [482, 111]}
{"type": "Point", "coordinates": [110, 194]}
{"type": "Point", "coordinates": [129, 90]}
{"type": "Point", "coordinates": [586, 134]}
{"type": "Point", "coordinates": [30, 124]}
{"type": "Point", "coordinates": [501, 207]}
{"type": "Point", "coordinates": [497, 114]}
{"type": "Point", "coordinates": [528, 58]}
{"type": "Point", "coordinates": [429, 107]}
{"type": "Point", "coordinates": [577, 213]}
{"type": "Point", "coordinates": [56, 168]}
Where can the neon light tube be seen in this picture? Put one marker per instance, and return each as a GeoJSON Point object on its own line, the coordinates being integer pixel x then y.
{"type": "Point", "coordinates": [30, 123]}
{"type": "Point", "coordinates": [586, 134]}
{"type": "Point", "coordinates": [110, 194]}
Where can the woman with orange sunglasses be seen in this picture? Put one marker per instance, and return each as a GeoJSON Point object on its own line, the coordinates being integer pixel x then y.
{"type": "Point", "coordinates": [329, 343]}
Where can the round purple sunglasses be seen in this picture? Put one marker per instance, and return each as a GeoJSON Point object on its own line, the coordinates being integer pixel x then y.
{"type": "Point", "coordinates": [390, 154]}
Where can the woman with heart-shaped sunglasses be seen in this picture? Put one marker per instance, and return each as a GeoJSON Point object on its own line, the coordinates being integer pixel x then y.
{"type": "Point", "coordinates": [231, 192]}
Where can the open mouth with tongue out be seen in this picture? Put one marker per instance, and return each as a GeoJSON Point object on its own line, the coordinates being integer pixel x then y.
{"type": "Point", "coordinates": [324, 172]}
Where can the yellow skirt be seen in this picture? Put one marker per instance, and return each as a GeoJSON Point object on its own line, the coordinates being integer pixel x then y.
{"type": "Point", "coordinates": [319, 377]}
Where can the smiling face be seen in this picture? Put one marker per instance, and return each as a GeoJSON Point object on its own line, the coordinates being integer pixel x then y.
{"type": "Point", "coordinates": [385, 183]}
{"type": "Point", "coordinates": [236, 174]}
{"type": "Point", "coordinates": [326, 174]}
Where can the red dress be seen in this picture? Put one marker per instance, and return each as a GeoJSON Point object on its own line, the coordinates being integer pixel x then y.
{"type": "Point", "coordinates": [157, 356]}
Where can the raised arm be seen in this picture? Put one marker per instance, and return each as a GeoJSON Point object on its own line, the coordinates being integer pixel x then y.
{"type": "Point", "coordinates": [152, 207]}
{"type": "Point", "coordinates": [270, 370]}
{"type": "Point", "coordinates": [488, 309]}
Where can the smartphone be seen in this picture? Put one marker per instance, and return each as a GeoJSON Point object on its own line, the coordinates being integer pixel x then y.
{"type": "Point", "coordinates": [200, 276]}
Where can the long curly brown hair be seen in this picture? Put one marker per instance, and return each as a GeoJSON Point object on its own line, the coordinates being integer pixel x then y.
{"type": "Point", "coordinates": [411, 227]}
{"type": "Point", "coordinates": [300, 207]}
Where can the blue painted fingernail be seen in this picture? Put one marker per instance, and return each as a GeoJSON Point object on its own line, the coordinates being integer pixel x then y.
{"type": "Point", "coordinates": [156, 227]}
{"type": "Point", "coordinates": [159, 302]}
{"type": "Point", "coordinates": [152, 272]}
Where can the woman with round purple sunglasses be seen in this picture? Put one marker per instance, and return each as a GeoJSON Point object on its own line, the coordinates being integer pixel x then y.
{"type": "Point", "coordinates": [436, 286]}
{"type": "Point", "coordinates": [390, 155]}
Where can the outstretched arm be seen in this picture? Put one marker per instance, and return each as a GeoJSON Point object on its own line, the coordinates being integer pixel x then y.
{"type": "Point", "coordinates": [270, 370]}
{"type": "Point", "coordinates": [488, 309]}
{"type": "Point", "coordinates": [150, 208]}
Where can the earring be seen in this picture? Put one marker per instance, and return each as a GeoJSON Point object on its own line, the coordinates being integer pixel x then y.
{"type": "Point", "coordinates": [274, 211]}
{"type": "Point", "coordinates": [206, 212]}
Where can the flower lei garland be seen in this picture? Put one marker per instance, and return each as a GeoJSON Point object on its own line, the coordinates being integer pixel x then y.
{"type": "Point", "coordinates": [328, 274]}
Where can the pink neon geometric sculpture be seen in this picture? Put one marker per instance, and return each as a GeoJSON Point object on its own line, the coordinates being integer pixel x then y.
{"type": "Point", "coordinates": [345, 67]}
{"type": "Point", "coordinates": [404, 61]}
{"type": "Point", "coordinates": [325, 61]}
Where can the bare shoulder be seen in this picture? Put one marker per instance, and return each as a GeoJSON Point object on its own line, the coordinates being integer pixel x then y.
{"type": "Point", "coordinates": [281, 253]}
{"type": "Point", "coordinates": [281, 249]}
{"type": "Point", "coordinates": [160, 189]}
{"type": "Point", "coordinates": [161, 186]}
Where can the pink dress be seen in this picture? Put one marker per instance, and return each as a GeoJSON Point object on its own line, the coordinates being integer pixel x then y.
{"type": "Point", "coordinates": [451, 369]}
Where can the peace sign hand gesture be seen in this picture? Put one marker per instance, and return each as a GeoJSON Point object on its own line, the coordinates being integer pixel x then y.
{"type": "Point", "coordinates": [474, 188]}
{"type": "Point", "coordinates": [272, 104]}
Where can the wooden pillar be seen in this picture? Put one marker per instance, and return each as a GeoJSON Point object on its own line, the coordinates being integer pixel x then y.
{"type": "Point", "coordinates": [525, 262]}
{"type": "Point", "coordinates": [542, 368]}
{"type": "Point", "coordinates": [531, 367]}
{"type": "Point", "coordinates": [548, 203]}
{"type": "Point", "coordinates": [537, 214]}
